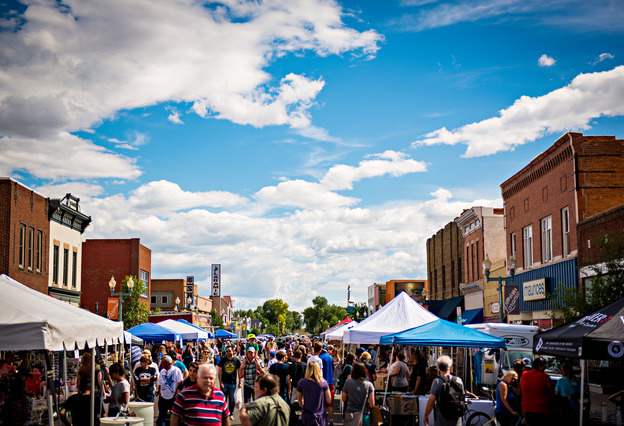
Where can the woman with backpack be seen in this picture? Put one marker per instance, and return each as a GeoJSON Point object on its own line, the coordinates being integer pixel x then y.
{"type": "Point", "coordinates": [358, 394]}
{"type": "Point", "coordinates": [347, 367]}
{"type": "Point", "coordinates": [314, 396]}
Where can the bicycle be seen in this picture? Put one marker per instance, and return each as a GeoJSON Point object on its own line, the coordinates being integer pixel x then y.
{"type": "Point", "coordinates": [478, 418]}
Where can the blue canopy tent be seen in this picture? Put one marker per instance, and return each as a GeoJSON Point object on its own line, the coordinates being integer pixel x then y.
{"type": "Point", "coordinates": [183, 321]}
{"type": "Point", "coordinates": [153, 333]}
{"type": "Point", "coordinates": [224, 334]}
{"type": "Point", "coordinates": [443, 333]}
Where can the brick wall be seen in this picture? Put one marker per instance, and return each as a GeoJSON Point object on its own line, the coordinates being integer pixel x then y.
{"type": "Point", "coordinates": [173, 287]}
{"type": "Point", "coordinates": [21, 205]}
{"type": "Point", "coordinates": [601, 237]}
{"type": "Point", "coordinates": [444, 262]}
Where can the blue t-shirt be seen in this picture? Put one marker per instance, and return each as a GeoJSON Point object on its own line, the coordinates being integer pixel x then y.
{"type": "Point", "coordinates": [180, 365]}
{"type": "Point", "coordinates": [328, 367]}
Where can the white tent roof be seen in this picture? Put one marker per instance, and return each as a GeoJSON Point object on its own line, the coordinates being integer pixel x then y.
{"type": "Point", "coordinates": [338, 333]}
{"type": "Point", "coordinates": [184, 330]}
{"type": "Point", "coordinates": [30, 320]}
{"type": "Point", "coordinates": [399, 314]}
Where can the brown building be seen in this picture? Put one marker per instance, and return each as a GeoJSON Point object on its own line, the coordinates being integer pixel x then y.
{"type": "Point", "coordinates": [103, 258]}
{"type": "Point", "coordinates": [24, 235]}
{"type": "Point", "coordinates": [483, 231]}
{"type": "Point", "coordinates": [444, 262]}
{"type": "Point", "coordinates": [574, 179]}
{"type": "Point", "coordinates": [416, 289]}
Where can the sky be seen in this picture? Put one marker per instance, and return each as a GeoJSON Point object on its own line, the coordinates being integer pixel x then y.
{"type": "Point", "coordinates": [304, 145]}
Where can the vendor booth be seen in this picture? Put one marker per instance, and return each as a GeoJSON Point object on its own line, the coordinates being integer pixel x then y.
{"type": "Point", "coordinates": [337, 335]}
{"type": "Point", "coordinates": [186, 332]}
{"type": "Point", "coordinates": [153, 333]}
{"type": "Point", "coordinates": [400, 313]}
{"type": "Point", "coordinates": [183, 321]}
{"type": "Point", "coordinates": [33, 321]}
{"type": "Point", "coordinates": [598, 336]}
{"type": "Point", "coordinates": [224, 334]}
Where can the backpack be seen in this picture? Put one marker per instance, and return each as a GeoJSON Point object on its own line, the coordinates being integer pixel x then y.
{"type": "Point", "coordinates": [451, 402]}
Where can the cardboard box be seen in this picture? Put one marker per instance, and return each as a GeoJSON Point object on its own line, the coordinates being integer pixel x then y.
{"type": "Point", "coordinates": [403, 404]}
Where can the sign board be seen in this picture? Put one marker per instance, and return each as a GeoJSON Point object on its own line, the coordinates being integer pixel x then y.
{"type": "Point", "coordinates": [112, 308]}
{"type": "Point", "coordinates": [190, 290]}
{"type": "Point", "coordinates": [495, 307]}
{"type": "Point", "coordinates": [215, 275]}
{"type": "Point", "coordinates": [512, 299]}
{"type": "Point", "coordinates": [534, 290]}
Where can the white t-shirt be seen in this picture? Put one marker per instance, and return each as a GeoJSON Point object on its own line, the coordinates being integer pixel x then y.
{"type": "Point", "coordinates": [118, 390]}
{"type": "Point", "coordinates": [169, 380]}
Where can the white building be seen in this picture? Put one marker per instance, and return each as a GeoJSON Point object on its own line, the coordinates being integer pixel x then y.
{"type": "Point", "coordinates": [67, 225]}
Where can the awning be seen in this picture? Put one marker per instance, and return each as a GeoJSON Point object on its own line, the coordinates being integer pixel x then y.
{"type": "Point", "coordinates": [224, 334]}
{"type": "Point", "coordinates": [183, 321]}
{"type": "Point", "coordinates": [446, 308]}
{"type": "Point", "coordinates": [473, 316]}
{"type": "Point", "coordinates": [153, 333]}
{"type": "Point", "coordinates": [185, 331]}
{"type": "Point", "coordinates": [445, 334]}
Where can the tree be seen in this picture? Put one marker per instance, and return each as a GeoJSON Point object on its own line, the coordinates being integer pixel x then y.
{"type": "Point", "coordinates": [321, 315]}
{"type": "Point", "coordinates": [216, 319]}
{"type": "Point", "coordinates": [135, 311]}
{"type": "Point", "coordinates": [602, 289]}
{"type": "Point", "coordinates": [294, 321]}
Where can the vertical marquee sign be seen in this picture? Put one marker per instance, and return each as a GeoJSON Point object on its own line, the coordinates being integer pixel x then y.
{"type": "Point", "coordinates": [216, 279]}
{"type": "Point", "coordinates": [190, 290]}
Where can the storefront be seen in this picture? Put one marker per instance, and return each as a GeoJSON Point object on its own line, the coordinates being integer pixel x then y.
{"type": "Point", "coordinates": [535, 297]}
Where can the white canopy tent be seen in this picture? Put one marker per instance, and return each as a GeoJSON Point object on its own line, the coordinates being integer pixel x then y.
{"type": "Point", "coordinates": [399, 314]}
{"type": "Point", "coordinates": [30, 320]}
{"type": "Point", "coordinates": [338, 333]}
{"type": "Point", "coordinates": [185, 331]}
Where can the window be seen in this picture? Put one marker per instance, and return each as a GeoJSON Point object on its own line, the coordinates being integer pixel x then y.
{"type": "Point", "coordinates": [547, 253]}
{"type": "Point", "coordinates": [22, 245]}
{"type": "Point", "coordinates": [164, 300]}
{"type": "Point", "coordinates": [512, 244]}
{"type": "Point", "coordinates": [31, 248]}
{"type": "Point", "coordinates": [65, 265]}
{"type": "Point", "coordinates": [55, 265]}
{"type": "Point", "coordinates": [527, 246]}
{"type": "Point", "coordinates": [144, 276]}
{"type": "Point", "coordinates": [477, 269]}
{"type": "Point", "coordinates": [74, 269]}
{"type": "Point", "coordinates": [565, 230]}
{"type": "Point", "coordinates": [38, 251]}
{"type": "Point", "coordinates": [153, 300]}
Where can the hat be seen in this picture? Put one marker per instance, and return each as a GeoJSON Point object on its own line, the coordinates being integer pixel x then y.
{"type": "Point", "coordinates": [251, 336]}
{"type": "Point", "coordinates": [526, 362]}
{"type": "Point", "coordinates": [251, 349]}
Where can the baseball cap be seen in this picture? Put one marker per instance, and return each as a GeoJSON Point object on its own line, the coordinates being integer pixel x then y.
{"type": "Point", "coordinates": [251, 336]}
{"type": "Point", "coordinates": [251, 349]}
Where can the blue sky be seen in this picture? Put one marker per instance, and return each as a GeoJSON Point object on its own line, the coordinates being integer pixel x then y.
{"type": "Point", "coordinates": [210, 132]}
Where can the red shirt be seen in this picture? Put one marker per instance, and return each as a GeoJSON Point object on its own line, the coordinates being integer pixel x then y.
{"type": "Point", "coordinates": [193, 409]}
{"type": "Point", "coordinates": [535, 391]}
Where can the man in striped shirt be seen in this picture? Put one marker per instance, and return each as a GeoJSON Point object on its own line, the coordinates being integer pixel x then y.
{"type": "Point", "coordinates": [202, 403]}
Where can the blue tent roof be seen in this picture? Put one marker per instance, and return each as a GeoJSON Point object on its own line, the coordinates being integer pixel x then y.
{"type": "Point", "coordinates": [473, 316]}
{"type": "Point", "coordinates": [224, 334]}
{"type": "Point", "coordinates": [443, 333]}
{"type": "Point", "coordinates": [183, 321]}
{"type": "Point", "coordinates": [150, 332]}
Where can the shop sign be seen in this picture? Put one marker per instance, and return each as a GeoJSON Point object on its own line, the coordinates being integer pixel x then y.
{"type": "Point", "coordinates": [190, 289]}
{"type": "Point", "coordinates": [534, 290]}
{"type": "Point", "coordinates": [512, 299]}
{"type": "Point", "coordinates": [495, 308]}
{"type": "Point", "coordinates": [216, 280]}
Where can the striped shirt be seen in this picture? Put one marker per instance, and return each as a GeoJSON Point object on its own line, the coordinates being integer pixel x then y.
{"type": "Point", "coordinates": [193, 409]}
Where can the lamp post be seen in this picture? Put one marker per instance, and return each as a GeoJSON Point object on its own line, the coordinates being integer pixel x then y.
{"type": "Point", "coordinates": [487, 265]}
{"type": "Point", "coordinates": [112, 284]}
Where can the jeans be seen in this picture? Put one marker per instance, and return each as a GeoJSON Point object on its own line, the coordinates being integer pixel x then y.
{"type": "Point", "coordinates": [229, 389]}
{"type": "Point", "coordinates": [164, 405]}
{"type": "Point", "coordinates": [248, 394]}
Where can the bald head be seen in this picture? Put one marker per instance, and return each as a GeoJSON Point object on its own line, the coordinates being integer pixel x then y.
{"type": "Point", "coordinates": [206, 374]}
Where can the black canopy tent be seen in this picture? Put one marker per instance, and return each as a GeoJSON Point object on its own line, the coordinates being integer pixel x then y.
{"type": "Point", "coordinates": [599, 335]}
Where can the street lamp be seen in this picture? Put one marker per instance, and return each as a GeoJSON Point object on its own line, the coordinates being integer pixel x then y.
{"type": "Point", "coordinates": [120, 294]}
{"type": "Point", "coordinates": [487, 266]}
{"type": "Point", "coordinates": [177, 302]}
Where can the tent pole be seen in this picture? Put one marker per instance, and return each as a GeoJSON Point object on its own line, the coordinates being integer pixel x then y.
{"type": "Point", "coordinates": [92, 412]}
{"type": "Point", "coordinates": [388, 376]}
{"type": "Point", "coordinates": [582, 392]}
{"type": "Point", "coordinates": [65, 386]}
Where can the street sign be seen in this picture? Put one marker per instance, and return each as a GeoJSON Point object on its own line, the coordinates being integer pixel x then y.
{"type": "Point", "coordinates": [216, 279]}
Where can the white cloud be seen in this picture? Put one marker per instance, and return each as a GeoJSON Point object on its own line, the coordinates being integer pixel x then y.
{"type": "Point", "coordinates": [546, 61]}
{"type": "Point", "coordinates": [136, 140]}
{"type": "Point", "coordinates": [391, 163]}
{"type": "Point", "coordinates": [174, 117]}
{"type": "Point", "coordinates": [605, 56]}
{"type": "Point", "coordinates": [302, 194]}
{"type": "Point", "coordinates": [82, 190]}
{"type": "Point", "coordinates": [69, 68]}
{"type": "Point", "coordinates": [572, 107]}
{"type": "Point", "coordinates": [295, 255]}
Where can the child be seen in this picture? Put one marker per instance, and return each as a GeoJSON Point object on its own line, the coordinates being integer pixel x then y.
{"type": "Point", "coordinates": [120, 394]}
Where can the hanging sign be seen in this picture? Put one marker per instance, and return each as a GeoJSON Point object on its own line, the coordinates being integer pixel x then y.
{"type": "Point", "coordinates": [216, 280]}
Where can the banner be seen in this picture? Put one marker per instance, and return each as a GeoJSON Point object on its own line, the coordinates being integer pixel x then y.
{"type": "Point", "coordinates": [216, 280]}
{"type": "Point", "coordinates": [112, 308]}
{"type": "Point", "coordinates": [512, 299]}
{"type": "Point", "coordinates": [190, 291]}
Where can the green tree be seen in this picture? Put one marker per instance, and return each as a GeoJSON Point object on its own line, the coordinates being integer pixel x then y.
{"type": "Point", "coordinates": [321, 315]}
{"type": "Point", "coordinates": [294, 321]}
{"type": "Point", "coordinates": [216, 319]}
{"type": "Point", "coordinates": [602, 289]}
{"type": "Point", "coordinates": [135, 310]}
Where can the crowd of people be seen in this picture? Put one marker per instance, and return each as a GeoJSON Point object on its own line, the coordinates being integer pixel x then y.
{"type": "Point", "coordinates": [294, 381]}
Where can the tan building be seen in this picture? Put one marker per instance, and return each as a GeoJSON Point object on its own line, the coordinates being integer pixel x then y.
{"type": "Point", "coordinates": [444, 262]}
{"type": "Point", "coordinates": [483, 232]}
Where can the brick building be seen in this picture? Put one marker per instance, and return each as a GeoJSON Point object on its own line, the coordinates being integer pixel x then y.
{"type": "Point", "coordinates": [25, 234]}
{"type": "Point", "coordinates": [444, 262]}
{"type": "Point", "coordinates": [103, 258]}
{"type": "Point", "coordinates": [483, 232]}
{"type": "Point", "coordinates": [574, 179]}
